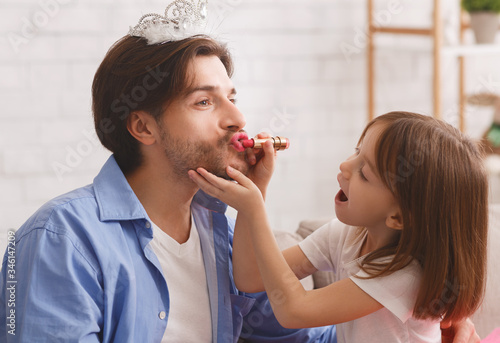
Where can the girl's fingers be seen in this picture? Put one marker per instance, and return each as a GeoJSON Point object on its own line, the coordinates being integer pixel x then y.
{"type": "Point", "coordinates": [238, 195]}
{"type": "Point", "coordinates": [263, 135]}
{"type": "Point", "coordinates": [269, 149]}
{"type": "Point", "coordinates": [215, 185]}
{"type": "Point", "coordinates": [221, 184]}
{"type": "Point", "coordinates": [251, 158]}
{"type": "Point", "coordinates": [269, 155]}
{"type": "Point", "coordinates": [204, 184]}
{"type": "Point", "coordinates": [255, 154]}
{"type": "Point", "coordinates": [212, 179]}
{"type": "Point", "coordinates": [238, 177]}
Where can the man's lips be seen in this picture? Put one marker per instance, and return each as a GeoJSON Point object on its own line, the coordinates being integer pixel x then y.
{"type": "Point", "coordinates": [238, 141]}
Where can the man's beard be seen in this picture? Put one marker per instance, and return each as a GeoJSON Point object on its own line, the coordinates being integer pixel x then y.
{"type": "Point", "coordinates": [185, 155]}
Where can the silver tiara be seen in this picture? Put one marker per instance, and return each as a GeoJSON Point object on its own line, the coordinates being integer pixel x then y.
{"type": "Point", "coordinates": [182, 19]}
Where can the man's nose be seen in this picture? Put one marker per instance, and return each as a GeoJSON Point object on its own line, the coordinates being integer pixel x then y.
{"type": "Point", "coordinates": [232, 118]}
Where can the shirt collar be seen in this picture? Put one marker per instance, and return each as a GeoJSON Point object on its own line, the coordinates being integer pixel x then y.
{"type": "Point", "coordinates": [213, 204]}
{"type": "Point", "coordinates": [117, 200]}
{"type": "Point", "coordinates": [115, 197]}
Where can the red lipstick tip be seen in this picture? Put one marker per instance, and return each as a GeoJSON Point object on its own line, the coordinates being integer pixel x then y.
{"type": "Point", "coordinates": [248, 143]}
{"type": "Point", "coordinates": [237, 139]}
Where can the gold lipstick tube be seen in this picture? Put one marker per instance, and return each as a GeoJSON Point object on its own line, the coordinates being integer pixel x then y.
{"type": "Point", "coordinates": [279, 143]}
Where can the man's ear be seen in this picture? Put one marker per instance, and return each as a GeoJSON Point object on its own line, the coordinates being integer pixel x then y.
{"type": "Point", "coordinates": [395, 220]}
{"type": "Point", "coordinates": [142, 126]}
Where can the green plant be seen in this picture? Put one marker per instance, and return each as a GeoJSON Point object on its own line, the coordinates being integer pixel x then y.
{"type": "Point", "coordinates": [481, 5]}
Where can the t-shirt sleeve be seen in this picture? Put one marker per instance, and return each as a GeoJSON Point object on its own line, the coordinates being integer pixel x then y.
{"type": "Point", "coordinates": [397, 292]}
{"type": "Point", "coordinates": [320, 246]}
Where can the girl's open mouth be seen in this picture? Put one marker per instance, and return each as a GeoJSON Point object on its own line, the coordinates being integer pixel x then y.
{"type": "Point", "coordinates": [341, 197]}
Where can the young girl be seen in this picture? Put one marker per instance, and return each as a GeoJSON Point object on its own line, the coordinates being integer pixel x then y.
{"type": "Point", "coordinates": [408, 247]}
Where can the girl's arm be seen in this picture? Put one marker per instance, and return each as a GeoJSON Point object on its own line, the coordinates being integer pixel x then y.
{"type": "Point", "coordinates": [293, 306]}
{"type": "Point", "coordinates": [246, 272]}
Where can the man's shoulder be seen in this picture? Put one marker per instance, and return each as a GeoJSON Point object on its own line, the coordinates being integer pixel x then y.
{"type": "Point", "coordinates": [64, 212]}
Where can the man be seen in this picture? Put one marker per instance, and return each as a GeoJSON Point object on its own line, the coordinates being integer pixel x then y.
{"type": "Point", "coordinates": [140, 255]}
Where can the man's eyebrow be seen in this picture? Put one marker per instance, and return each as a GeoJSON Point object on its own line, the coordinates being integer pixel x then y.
{"type": "Point", "coordinates": [208, 88]}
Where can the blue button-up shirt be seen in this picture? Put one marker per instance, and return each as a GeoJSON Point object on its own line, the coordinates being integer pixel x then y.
{"type": "Point", "coordinates": [84, 272]}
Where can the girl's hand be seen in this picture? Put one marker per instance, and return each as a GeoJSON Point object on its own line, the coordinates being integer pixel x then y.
{"type": "Point", "coordinates": [262, 162]}
{"type": "Point", "coordinates": [243, 195]}
{"type": "Point", "coordinates": [461, 332]}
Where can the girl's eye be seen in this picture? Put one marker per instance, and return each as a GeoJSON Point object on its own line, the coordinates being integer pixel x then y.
{"type": "Point", "coordinates": [362, 175]}
{"type": "Point", "coordinates": [356, 150]}
{"type": "Point", "coordinates": [233, 101]}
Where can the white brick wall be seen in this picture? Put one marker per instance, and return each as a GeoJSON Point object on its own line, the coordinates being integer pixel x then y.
{"type": "Point", "coordinates": [291, 74]}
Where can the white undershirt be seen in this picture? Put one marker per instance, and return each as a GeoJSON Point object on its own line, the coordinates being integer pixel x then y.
{"type": "Point", "coordinates": [189, 318]}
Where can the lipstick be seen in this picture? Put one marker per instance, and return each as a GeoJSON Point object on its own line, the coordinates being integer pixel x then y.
{"type": "Point", "coordinates": [240, 142]}
{"type": "Point", "coordinates": [279, 143]}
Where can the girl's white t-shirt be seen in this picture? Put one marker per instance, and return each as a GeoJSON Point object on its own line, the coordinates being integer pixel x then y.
{"type": "Point", "coordinates": [336, 247]}
{"type": "Point", "coordinates": [189, 318]}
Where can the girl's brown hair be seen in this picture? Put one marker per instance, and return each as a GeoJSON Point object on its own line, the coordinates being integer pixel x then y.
{"type": "Point", "coordinates": [438, 179]}
{"type": "Point", "coordinates": [135, 76]}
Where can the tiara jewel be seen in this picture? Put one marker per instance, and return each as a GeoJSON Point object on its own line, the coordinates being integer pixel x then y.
{"type": "Point", "coordinates": [182, 19]}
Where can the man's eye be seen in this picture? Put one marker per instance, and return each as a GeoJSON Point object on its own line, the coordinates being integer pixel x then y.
{"type": "Point", "coordinates": [233, 101]}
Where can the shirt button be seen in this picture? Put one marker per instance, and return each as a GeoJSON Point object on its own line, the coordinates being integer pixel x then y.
{"type": "Point", "coordinates": [162, 315]}
{"type": "Point", "coordinates": [147, 225]}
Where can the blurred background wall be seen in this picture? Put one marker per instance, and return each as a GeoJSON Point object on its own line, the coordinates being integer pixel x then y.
{"type": "Point", "coordinates": [300, 73]}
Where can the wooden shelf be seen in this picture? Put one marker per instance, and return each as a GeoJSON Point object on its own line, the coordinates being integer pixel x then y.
{"type": "Point", "coordinates": [472, 49]}
{"type": "Point", "coordinates": [433, 46]}
{"type": "Point", "coordinates": [446, 50]}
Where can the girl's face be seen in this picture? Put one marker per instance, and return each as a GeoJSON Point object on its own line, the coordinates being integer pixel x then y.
{"type": "Point", "coordinates": [363, 200]}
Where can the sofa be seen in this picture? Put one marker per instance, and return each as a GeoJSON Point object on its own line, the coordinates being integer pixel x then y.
{"type": "Point", "coordinates": [486, 319]}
